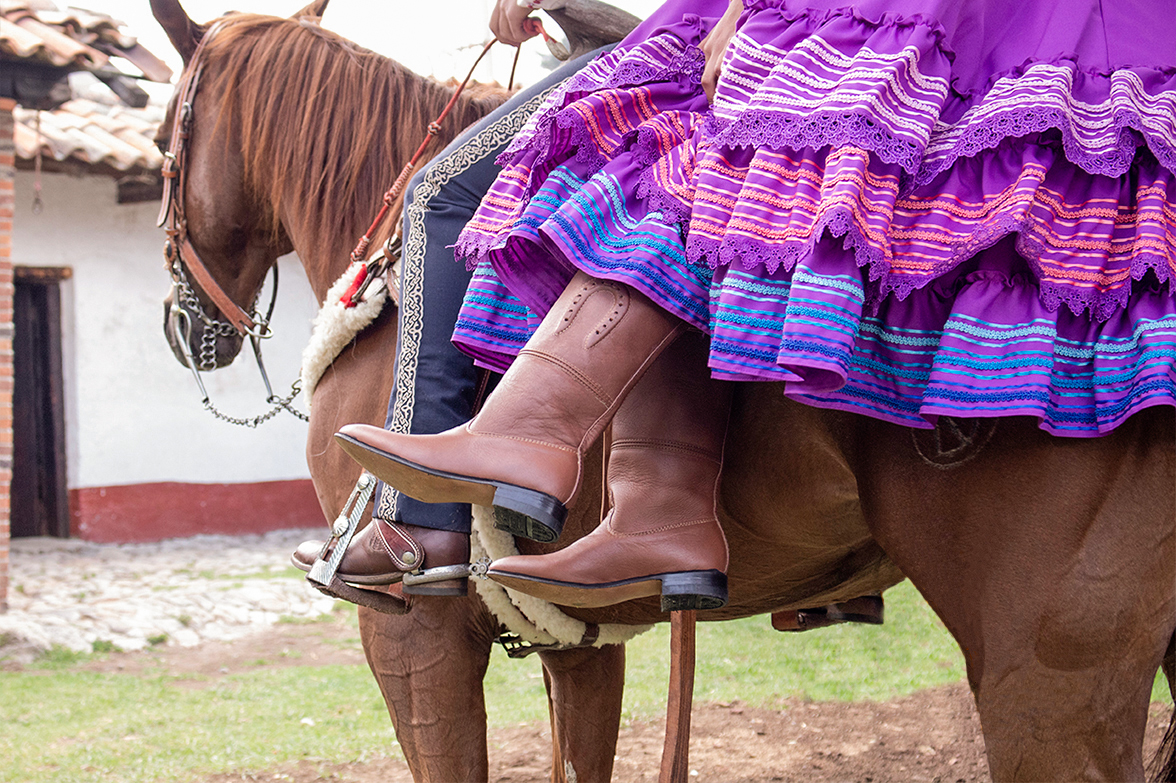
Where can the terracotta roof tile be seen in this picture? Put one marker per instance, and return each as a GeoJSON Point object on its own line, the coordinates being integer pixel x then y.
{"type": "Point", "coordinates": [38, 31]}
{"type": "Point", "coordinates": [94, 135]}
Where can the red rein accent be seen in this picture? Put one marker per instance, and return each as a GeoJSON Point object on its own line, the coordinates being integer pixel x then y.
{"type": "Point", "coordinates": [349, 299]}
{"type": "Point", "coordinates": [349, 295]}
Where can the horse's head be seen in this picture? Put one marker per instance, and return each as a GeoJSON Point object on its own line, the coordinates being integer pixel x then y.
{"type": "Point", "coordinates": [287, 143]}
{"type": "Point", "coordinates": [223, 240]}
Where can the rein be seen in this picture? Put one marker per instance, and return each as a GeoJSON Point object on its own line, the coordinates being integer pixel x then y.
{"type": "Point", "coordinates": [380, 262]}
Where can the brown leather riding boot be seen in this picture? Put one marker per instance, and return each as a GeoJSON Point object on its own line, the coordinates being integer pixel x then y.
{"type": "Point", "coordinates": [384, 552]}
{"type": "Point", "coordinates": [523, 452]}
{"type": "Point", "coordinates": [662, 534]}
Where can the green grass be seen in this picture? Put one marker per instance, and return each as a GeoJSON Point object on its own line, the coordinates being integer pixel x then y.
{"type": "Point", "coordinates": [750, 661]}
{"type": "Point", "coordinates": [62, 724]}
{"type": "Point", "coordinates": [83, 727]}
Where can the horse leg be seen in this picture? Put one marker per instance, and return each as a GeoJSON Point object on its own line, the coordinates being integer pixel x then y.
{"type": "Point", "coordinates": [1169, 666]}
{"type": "Point", "coordinates": [584, 688]}
{"type": "Point", "coordinates": [429, 665]}
{"type": "Point", "coordinates": [1164, 764]}
{"type": "Point", "coordinates": [1053, 563]}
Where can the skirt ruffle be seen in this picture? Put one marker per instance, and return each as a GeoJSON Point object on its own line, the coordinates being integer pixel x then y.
{"type": "Point", "coordinates": [847, 221]}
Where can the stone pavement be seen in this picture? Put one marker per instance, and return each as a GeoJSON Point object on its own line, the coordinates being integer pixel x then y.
{"type": "Point", "coordinates": [181, 591]}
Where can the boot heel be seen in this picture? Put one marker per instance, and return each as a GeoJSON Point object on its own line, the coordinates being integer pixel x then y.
{"type": "Point", "coordinates": [693, 590]}
{"type": "Point", "coordinates": [528, 514]}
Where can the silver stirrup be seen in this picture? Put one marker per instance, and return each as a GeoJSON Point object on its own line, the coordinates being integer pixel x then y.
{"type": "Point", "coordinates": [323, 571]}
{"type": "Point", "coordinates": [438, 574]}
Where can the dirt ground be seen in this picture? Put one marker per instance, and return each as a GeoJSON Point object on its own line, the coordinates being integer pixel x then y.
{"type": "Point", "coordinates": [932, 736]}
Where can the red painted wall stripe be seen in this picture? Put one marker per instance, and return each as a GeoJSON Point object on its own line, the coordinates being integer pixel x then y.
{"type": "Point", "coordinates": [151, 512]}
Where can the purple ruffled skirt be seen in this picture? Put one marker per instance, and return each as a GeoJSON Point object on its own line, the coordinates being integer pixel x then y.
{"type": "Point", "coordinates": [904, 209]}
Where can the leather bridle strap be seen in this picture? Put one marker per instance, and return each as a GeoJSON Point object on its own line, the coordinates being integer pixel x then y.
{"type": "Point", "coordinates": [171, 212]}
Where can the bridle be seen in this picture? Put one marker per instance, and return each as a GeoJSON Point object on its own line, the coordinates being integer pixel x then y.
{"type": "Point", "coordinates": [179, 251]}
{"type": "Point", "coordinates": [184, 264]}
{"type": "Point", "coordinates": [182, 260]}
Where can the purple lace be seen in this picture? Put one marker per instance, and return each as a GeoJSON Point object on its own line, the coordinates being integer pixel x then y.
{"type": "Point", "coordinates": [760, 128]}
{"type": "Point", "coordinates": [993, 131]}
{"type": "Point", "coordinates": [685, 64]}
{"type": "Point", "coordinates": [658, 200]}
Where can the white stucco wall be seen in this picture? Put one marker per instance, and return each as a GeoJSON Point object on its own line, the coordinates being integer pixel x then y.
{"type": "Point", "coordinates": [133, 413]}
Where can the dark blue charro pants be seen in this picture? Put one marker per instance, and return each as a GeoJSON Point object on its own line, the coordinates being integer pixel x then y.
{"type": "Point", "coordinates": [435, 382]}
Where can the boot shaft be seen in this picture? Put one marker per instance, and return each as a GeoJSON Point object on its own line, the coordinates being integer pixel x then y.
{"type": "Point", "coordinates": [655, 483]}
{"type": "Point", "coordinates": [661, 534]}
{"type": "Point", "coordinates": [677, 401]}
{"type": "Point", "coordinates": [667, 451]}
{"type": "Point", "coordinates": [591, 348]}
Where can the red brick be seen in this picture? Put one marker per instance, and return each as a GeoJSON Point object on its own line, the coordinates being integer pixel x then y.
{"type": "Point", "coordinates": [7, 212]}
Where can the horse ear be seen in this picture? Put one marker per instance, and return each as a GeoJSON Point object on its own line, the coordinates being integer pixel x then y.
{"type": "Point", "coordinates": [181, 30]}
{"type": "Point", "coordinates": [315, 9]}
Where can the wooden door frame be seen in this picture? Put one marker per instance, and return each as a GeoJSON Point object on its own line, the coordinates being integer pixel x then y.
{"type": "Point", "coordinates": [50, 279]}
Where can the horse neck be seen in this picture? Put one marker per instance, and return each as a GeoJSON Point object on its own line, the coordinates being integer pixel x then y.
{"type": "Point", "coordinates": [326, 258]}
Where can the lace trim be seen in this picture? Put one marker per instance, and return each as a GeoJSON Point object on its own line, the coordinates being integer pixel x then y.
{"type": "Point", "coordinates": [559, 129]}
{"type": "Point", "coordinates": [656, 198]}
{"type": "Point", "coordinates": [761, 128]}
{"type": "Point", "coordinates": [1101, 304]}
{"type": "Point", "coordinates": [1103, 116]}
{"type": "Point", "coordinates": [684, 62]}
{"type": "Point", "coordinates": [751, 254]}
{"type": "Point", "coordinates": [473, 247]}
{"type": "Point", "coordinates": [1129, 130]}
{"type": "Point", "coordinates": [646, 152]}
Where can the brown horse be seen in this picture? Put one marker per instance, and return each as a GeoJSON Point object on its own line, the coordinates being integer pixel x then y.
{"type": "Point", "coordinates": [1051, 561]}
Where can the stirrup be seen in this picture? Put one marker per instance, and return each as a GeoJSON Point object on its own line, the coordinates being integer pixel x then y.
{"type": "Point", "coordinates": [323, 575]}
{"type": "Point", "coordinates": [428, 576]}
{"type": "Point", "coordinates": [867, 609]}
{"type": "Point", "coordinates": [382, 602]}
{"type": "Point", "coordinates": [427, 581]}
{"type": "Point", "coordinates": [323, 571]}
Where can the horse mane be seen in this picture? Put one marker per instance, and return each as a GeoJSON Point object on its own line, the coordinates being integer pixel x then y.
{"type": "Point", "coordinates": [324, 125]}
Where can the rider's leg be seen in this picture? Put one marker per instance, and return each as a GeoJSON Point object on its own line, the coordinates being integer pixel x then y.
{"type": "Point", "coordinates": [435, 385]}
{"type": "Point", "coordinates": [524, 450]}
{"type": "Point", "coordinates": [434, 389]}
{"type": "Point", "coordinates": [662, 534]}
